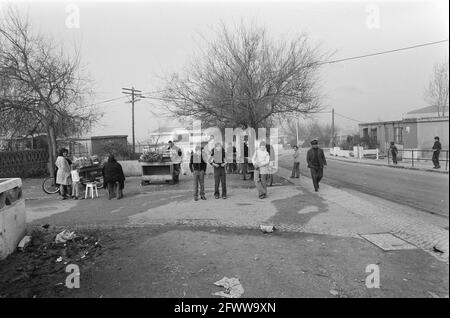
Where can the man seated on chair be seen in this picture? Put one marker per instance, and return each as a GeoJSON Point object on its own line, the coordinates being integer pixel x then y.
{"type": "Point", "coordinates": [113, 174]}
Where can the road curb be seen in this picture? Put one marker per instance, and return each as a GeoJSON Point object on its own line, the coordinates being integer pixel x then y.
{"type": "Point", "coordinates": [389, 166]}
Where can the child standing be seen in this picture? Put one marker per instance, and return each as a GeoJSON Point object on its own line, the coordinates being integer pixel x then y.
{"type": "Point", "coordinates": [75, 174]}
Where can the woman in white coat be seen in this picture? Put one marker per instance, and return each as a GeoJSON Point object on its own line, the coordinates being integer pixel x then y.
{"type": "Point", "coordinates": [63, 174]}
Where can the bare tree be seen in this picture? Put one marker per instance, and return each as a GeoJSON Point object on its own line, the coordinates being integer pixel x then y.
{"type": "Point", "coordinates": [245, 79]}
{"type": "Point", "coordinates": [437, 92]}
{"type": "Point", "coordinates": [45, 83]}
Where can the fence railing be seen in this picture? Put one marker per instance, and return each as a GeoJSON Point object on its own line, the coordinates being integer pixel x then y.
{"type": "Point", "coordinates": [23, 164]}
{"type": "Point", "coordinates": [417, 157]}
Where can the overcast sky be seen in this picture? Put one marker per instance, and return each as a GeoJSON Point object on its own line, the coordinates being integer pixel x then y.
{"type": "Point", "coordinates": [131, 43]}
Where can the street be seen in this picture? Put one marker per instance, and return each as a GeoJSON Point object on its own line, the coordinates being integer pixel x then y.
{"type": "Point", "coordinates": [425, 191]}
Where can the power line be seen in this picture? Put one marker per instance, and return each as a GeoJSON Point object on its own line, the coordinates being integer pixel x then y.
{"type": "Point", "coordinates": [384, 52]}
{"type": "Point", "coordinates": [359, 121]}
{"type": "Point", "coordinates": [107, 101]}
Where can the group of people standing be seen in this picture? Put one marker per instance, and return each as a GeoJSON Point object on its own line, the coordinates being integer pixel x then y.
{"type": "Point", "coordinates": [68, 177]}
{"type": "Point", "coordinates": [221, 162]}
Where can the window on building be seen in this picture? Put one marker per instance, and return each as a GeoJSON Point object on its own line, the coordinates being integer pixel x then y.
{"type": "Point", "coordinates": [365, 132]}
{"type": "Point", "coordinates": [398, 135]}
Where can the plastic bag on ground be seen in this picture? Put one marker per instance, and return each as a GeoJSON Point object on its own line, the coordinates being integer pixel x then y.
{"type": "Point", "coordinates": [65, 236]}
{"type": "Point", "coordinates": [233, 288]}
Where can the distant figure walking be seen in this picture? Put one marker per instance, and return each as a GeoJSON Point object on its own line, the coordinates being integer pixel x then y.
{"type": "Point", "coordinates": [113, 178]}
{"type": "Point", "coordinates": [261, 160]}
{"type": "Point", "coordinates": [296, 167]}
{"type": "Point", "coordinates": [436, 151]}
{"type": "Point", "coordinates": [63, 173]}
{"type": "Point", "coordinates": [394, 152]}
{"type": "Point", "coordinates": [316, 162]}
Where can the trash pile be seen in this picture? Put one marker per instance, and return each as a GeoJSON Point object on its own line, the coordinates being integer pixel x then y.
{"type": "Point", "coordinates": [42, 257]}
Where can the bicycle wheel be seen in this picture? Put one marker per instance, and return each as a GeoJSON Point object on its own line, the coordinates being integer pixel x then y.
{"type": "Point", "coordinates": [49, 186]}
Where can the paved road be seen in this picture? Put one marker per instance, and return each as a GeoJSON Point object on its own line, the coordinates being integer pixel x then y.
{"type": "Point", "coordinates": [422, 190]}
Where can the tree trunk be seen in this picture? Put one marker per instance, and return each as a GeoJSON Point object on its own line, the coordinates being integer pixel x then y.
{"type": "Point", "coordinates": [51, 140]}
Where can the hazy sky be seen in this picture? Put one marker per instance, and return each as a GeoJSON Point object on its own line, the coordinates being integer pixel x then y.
{"type": "Point", "coordinates": [131, 43]}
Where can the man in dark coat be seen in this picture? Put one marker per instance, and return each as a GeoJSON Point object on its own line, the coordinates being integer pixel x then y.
{"type": "Point", "coordinates": [394, 151]}
{"type": "Point", "coordinates": [197, 165]}
{"type": "Point", "coordinates": [218, 161]}
{"type": "Point", "coordinates": [112, 174]}
{"type": "Point", "coordinates": [436, 151]}
{"type": "Point", "coordinates": [316, 162]}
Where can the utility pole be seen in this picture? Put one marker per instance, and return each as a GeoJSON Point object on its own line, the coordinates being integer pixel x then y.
{"type": "Point", "coordinates": [296, 126]}
{"type": "Point", "coordinates": [133, 93]}
{"type": "Point", "coordinates": [332, 127]}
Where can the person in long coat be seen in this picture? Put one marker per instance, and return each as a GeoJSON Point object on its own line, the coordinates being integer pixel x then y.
{"type": "Point", "coordinates": [63, 173]}
{"type": "Point", "coordinates": [113, 177]}
{"type": "Point", "coordinates": [316, 162]}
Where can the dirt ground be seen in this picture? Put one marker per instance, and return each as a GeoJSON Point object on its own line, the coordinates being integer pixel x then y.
{"type": "Point", "coordinates": [161, 261]}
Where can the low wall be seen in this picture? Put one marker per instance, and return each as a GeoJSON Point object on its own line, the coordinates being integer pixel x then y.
{"type": "Point", "coordinates": [131, 168]}
{"type": "Point", "coordinates": [12, 215]}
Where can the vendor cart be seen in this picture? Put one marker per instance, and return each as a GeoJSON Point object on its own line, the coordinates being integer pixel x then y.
{"type": "Point", "coordinates": [158, 172]}
{"type": "Point", "coordinates": [91, 174]}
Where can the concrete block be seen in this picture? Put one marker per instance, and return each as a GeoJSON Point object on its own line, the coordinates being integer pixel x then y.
{"type": "Point", "coordinates": [12, 215]}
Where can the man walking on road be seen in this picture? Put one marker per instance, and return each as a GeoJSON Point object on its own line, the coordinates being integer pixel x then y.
{"type": "Point", "coordinates": [394, 152]}
{"type": "Point", "coordinates": [436, 151]}
{"type": "Point", "coordinates": [316, 162]}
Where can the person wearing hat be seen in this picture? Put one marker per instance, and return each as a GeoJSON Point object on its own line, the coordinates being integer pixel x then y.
{"type": "Point", "coordinates": [316, 161]}
{"type": "Point", "coordinates": [436, 151]}
{"type": "Point", "coordinates": [394, 152]}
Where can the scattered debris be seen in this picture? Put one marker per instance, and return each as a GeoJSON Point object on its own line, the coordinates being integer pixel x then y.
{"type": "Point", "coordinates": [233, 288]}
{"type": "Point", "coordinates": [44, 262]}
{"type": "Point", "coordinates": [267, 228]}
{"type": "Point", "coordinates": [334, 292]}
{"type": "Point", "coordinates": [65, 236]}
{"type": "Point", "coordinates": [23, 244]}
{"type": "Point", "coordinates": [438, 249]}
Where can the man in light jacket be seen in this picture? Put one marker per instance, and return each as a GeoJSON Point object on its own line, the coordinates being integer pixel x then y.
{"type": "Point", "coordinates": [261, 160]}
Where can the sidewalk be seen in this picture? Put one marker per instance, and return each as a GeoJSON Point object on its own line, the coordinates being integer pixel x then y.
{"type": "Point", "coordinates": [384, 162]}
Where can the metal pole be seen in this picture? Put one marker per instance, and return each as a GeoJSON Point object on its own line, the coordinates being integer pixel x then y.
{"type": "Point", "coordinates": [412, 157]}
{"type": "Point", "coordinates": [132, 120]}
{"type": "Point", "coordinates": [332, 127]}
{"type": "Point", "coordinates": [389, 155]}
{"type": "Point", "coordinates": [446, 160]}
{"type": "Point", "coordinates": [296, 126]}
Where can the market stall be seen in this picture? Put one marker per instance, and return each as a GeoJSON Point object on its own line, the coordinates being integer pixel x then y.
{"type": "Point", "coordinates": [158, 167]}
